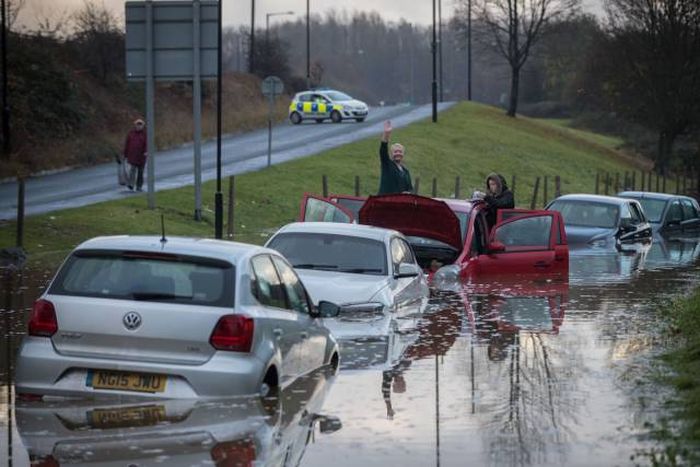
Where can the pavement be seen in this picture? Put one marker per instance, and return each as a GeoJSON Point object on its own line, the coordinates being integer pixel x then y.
{"type": "Point", "coordinates": [174, 167]}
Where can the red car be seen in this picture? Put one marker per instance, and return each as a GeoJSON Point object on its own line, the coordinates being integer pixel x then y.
{"type": "Point", "coordinates": [452, 231]}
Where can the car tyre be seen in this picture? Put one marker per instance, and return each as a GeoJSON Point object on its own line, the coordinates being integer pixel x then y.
{"type": "Point", "coordinates": [295, 118]}
{"type": "Point", "coordinates": [336, 117]}
{"type": "Point", "coordinates": [360, 120]}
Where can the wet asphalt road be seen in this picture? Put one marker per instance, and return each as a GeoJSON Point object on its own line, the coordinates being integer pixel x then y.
{"type": "Point", "coordinates": [174, 167]}
{"type": "Point", "coordinates": [509, 374]}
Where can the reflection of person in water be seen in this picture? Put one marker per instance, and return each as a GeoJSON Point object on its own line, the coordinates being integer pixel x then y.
{"type": "Point", "coordinates": [436, 335]}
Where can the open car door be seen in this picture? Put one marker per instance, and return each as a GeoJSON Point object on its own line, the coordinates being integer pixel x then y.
{"type": "Point", "coordinates": [349, 202]}
{"type": "Point", "coordinates": [526, 242]}
{"type": "Point", "coordinates": [318, 209]}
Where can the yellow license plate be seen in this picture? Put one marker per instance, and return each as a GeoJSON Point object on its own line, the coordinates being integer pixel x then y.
{"type": "Point", "coordinates": [127, 417]}
{"type": "Point", "coordinates": [141, 382]}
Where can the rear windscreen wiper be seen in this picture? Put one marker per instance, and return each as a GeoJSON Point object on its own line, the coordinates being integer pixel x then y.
{"type": "Point", "coordinates": [158, 296]}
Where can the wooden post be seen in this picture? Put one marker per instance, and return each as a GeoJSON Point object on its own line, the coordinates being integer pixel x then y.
{"type": "Point", "coordinates": [229, 221]}
{"type": "Point", "coordinates": [597, 183]}
{"type": "Point", "coordinates": [641, 180]}
{"type": "Point", "coordinates": [634, 179]}
{"type": "Point", "coordinates": [657, 182]}
{"type": "Point", "coordinates": [617, 182]}
{"type": "Point", "coordinates": [457, 187]}
{"type": "Point", "coordinates": [678, 184]}
{"type": "Point", "coordinates": [357, 185]}
{"type": "Point", "coordinates": [544, 192]}
{"type": "Point", "coordinates": [512, 184]}
{"type": "Point", "coordinates": [416, 186]}
{"type": "Point", "coordinates": [607, 183]}
{"type": "Point", "coordinates": [626, 183]}
{"type": "Point", "coordinates": [434, 187]}
{"type": "Point", "coordinates": [20, 215]}
{"type": "Point", "coordinates": [685, 189]}
{"type": "Point", "coordinates": [533, 203]}
{"type": "Point", "coordinates": [663, 186]}
{"type": "Point", "coordinates": [557, 186]}
{"type": "Point", "coordinates": [324, 183]}
{"type": "Point", "coordinates": [649, 188]}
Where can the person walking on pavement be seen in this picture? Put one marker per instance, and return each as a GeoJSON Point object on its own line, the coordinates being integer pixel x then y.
{"type": "Point", "coordinates": [395, 177]}
{"type": "Point", "coordinates": [498, 196]}
{"type": "Point", "coordinates": [135, 153]}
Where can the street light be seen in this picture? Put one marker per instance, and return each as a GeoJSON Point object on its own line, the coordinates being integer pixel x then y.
{"type": "Point", "coordinates": [308, 46]}
{"type": "Point", "coordinates": [267, 21]}
{"type": "Point", "coordinates": [251, 52]}
{"type": "Point", "coordinates": [434, 87]}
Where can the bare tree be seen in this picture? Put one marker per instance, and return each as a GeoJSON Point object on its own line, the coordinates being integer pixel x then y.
{"type": "Point", "coordinates": [515, 26]}
{"type": "Point", "coordinates": [656, 80]}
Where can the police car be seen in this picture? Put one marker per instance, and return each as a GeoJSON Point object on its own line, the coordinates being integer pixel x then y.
{"type": "Point", "coordinates": [320, 105]}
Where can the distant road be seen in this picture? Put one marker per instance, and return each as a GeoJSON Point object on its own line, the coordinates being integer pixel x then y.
{"type": "Point", "coordinates": [240, 153]}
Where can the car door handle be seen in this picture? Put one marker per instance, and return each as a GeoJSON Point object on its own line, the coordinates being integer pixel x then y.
{"type": "Point", "coordinates": [304, 335]}
{"type": "Point", "coordinates": [277, 332]}
{"type": "Point", "coordinates": [542, 264]}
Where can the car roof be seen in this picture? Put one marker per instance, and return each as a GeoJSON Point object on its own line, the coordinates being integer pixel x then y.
{"type": "Point", "coordinates": [650, 195]}
{"type": "Point", "coordinates": [190, 246]}
{"type": "Point", "coordinates": [593, 198]}
{"type": "Point", "coordinates": [338, 228]}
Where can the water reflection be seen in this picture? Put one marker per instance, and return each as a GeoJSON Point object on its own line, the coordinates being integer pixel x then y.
{"type": "Point", "coordinates": [273, 431]}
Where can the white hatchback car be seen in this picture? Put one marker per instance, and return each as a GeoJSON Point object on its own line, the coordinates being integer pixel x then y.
{"type": "Point", "coordinates": [181, 318]}
{"type": "Point", "coordinates": [370, 272]}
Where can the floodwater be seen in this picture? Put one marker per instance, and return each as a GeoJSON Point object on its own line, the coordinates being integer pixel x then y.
{"type": "Point", "coordinates": [516, 373]}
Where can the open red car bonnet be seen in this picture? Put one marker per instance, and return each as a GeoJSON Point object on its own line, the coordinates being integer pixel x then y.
{"type": "Point", "coordinates": [413, 215]}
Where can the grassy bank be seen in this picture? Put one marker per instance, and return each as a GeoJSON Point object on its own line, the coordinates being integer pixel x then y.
{"type": "Point", "coordinates": [469, 141]}
{"type": "Point", "coordinates": [678, 429]}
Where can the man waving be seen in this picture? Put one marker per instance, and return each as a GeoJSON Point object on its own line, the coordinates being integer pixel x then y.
{"type": "Point", "coordinates": [395, 177]}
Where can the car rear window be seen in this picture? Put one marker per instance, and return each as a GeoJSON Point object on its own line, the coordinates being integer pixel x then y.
{"type": "Point", "coordinates": [587, 213]}
{"type": "Point", "coordinates": [146, 276]}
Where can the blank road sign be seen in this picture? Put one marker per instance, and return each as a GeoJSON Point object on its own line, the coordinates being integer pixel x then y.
{"type": "Point", "coordinates": [173, 39]}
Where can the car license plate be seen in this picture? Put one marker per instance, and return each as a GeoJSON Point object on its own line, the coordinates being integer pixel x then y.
{"type": "Point", "coordinates": [127, 417]}
{"type": "Point", "coordinates": [140, 382]}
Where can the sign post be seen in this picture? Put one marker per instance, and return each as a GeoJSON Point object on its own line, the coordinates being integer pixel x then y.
{"type": "Point", "coordinates": [272, 86]}
{"type": "Point", "coordinates": [172, 41]}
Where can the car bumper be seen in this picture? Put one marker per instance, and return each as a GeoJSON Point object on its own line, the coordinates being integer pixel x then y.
{"type": "Point", "coordinates": [43, 371]}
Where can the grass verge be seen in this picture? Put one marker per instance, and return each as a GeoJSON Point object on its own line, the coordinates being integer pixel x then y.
{"type": "Point", "coordinates": [470, 141]}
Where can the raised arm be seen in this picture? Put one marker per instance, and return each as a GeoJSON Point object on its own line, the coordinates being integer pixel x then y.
{"type": "Point", "coordinates": [387, 131]}
{"type": "Point", "coordinates": [384, 145]}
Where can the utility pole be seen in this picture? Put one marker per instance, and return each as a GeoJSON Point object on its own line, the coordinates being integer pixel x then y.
{"type": "Point", "coordinates": [442, 98]}
{"type": "Point", "coordinates": [308, 45]}
{"type": "Point", "coordinates": [469, 50]}
{"type": "Point", "coordinates": [251, 52]}
{"type": "Point", "coordinates": [218, 196]}
{"type": "Point", "coordinates": [5, 103]}
{"type": "Point", "coordinates": [434, 84]}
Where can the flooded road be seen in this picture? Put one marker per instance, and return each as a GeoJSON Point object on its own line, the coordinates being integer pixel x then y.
{"type": "Point", "coordinates": [512, 373]}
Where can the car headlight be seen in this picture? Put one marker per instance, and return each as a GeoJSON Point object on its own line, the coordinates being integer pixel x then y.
{"type": "Point", "coordinates": [600, 243]}
{"type": "Point", "coordinates": [361, 311]}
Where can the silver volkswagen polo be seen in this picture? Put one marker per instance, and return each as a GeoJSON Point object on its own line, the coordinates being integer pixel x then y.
{"type": "Point", "coordinates": [180, 318]}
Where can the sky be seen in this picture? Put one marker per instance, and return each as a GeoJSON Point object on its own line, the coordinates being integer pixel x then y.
{"type": "Point", "coordinates": [237, 12]}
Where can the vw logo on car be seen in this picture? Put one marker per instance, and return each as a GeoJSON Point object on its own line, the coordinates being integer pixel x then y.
{"type": "Point", "coordinates": [132, 320]}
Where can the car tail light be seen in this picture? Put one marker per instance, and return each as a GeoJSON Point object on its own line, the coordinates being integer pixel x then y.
{"type": "Point", "coordinates": [43, 319]}
{"type": "Point", "coordinates": [234, 333]}
{"type": "Point", "coordinates": [239, 453]}
{"type": "Point", "coordinates": [45, 461]}
{"type": "Point", "coordinates": [26, 397]}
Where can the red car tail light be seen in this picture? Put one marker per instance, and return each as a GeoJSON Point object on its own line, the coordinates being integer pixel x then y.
{"type": "Point", "coordinates": [43, 321]}
{"type": "Point", "coordinates": [239, 453]}
{"type": "Point", "coordinates": [46, 461]}
{"type": "Point", "coordinates": [233, 333]}
{"type": "Point", "coordinates": [26, 397]}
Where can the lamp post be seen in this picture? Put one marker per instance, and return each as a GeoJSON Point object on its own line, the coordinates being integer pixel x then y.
{"type": "Point", "coordinates": [251, 51]}
{"type": "Point", "coordinates": [5, 104]}
{"type": "Point", "coordinates": [434, 90]}
{"type": "Point", "coordinates": [218, 196]}
{"type": "Point", "coordinates": [469, 50]}
{"type": "Point", "coordinates": [267, 21]}
{"type": "Point", "coordinates": [308, 45]}
{"type": "Point", "coordinates": [440, 48]}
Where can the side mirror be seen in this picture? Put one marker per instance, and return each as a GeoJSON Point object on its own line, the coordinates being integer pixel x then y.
{"type": "Point", "coordinates": [626, 225]}
{"type": "Point", "coordinates": [328, 423]}
{"type": "Point", "coordinates": [407, 270]}
{"type": "Point", "coordinates": [496, 247]}
{"type": "Point", "coordinates": [327, 309]}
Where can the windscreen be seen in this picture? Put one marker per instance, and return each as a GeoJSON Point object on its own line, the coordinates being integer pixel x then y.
{"type": "Point", "coordinates": [332, 252]}
{"type": "Point", "coordinates": [338, 96]}
{"type": "Point", "coordinates": [653, 208]}
{"type": "Point", "coordinates": [587, 213]}
{"type": "Point", "coordinates": [147, 277]}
